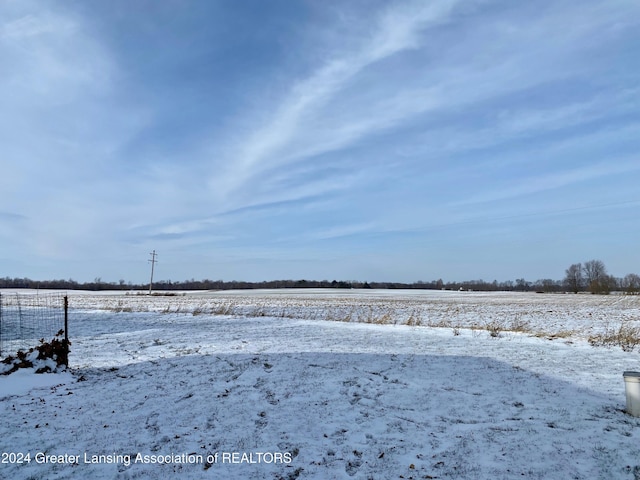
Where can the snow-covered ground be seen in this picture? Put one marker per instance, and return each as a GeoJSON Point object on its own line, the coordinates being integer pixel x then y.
{"type": "Point", "coordinates": [543, 314]}
{"type": "Point", "coordinates": [296, 397]}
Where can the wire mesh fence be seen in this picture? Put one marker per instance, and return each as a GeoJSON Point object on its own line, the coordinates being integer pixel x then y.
{"type": "Point", "coordinates": [25, 319]}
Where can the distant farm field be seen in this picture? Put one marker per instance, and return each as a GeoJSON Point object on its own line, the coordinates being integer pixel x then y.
{"type": "Point", "coordinates": [552, 315]}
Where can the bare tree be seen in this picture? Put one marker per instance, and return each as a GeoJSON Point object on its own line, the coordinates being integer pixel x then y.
{"type": "Point", "coordinates": [610, 284]}
{"type": "Point", "coordinates": [631, 283]}
{"type": "Point", "coordinates": [522, 285]}
{"type": "Point", "coordinates": [549, 285]}
{"type": "Point", "coordinates": [596, 276]}
{"type": "Point", "coordinates": [573, 278]}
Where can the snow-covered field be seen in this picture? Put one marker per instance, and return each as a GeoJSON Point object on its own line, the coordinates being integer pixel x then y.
{"type": "Point", "coordinates": [164, 387]}
{"type": "Point", "coordinates": [557, 315]}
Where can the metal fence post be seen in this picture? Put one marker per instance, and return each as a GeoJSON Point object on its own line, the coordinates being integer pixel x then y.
{"type": "Point", "coordinates": [66, 328]}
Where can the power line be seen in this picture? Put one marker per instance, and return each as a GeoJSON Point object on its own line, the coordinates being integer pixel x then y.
{"type": "Point", "coordinates": [153, 262]}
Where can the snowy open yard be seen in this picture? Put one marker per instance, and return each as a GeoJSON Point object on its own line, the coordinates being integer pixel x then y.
{"type": "Point", "coordinates": [163, 387]}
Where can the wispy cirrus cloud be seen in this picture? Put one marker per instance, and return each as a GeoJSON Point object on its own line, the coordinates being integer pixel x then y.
{"type": "Point", "coordinates": [278, 140]}
{"type": "Point", "coordinates": [343, 101]}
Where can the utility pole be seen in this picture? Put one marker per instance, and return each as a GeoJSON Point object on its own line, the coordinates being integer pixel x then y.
{"type": "Point", "coordinates": [153, 262]}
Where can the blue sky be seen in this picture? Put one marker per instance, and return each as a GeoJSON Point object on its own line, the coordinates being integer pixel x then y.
{"type": "Point", "coordinates": [355, 140]}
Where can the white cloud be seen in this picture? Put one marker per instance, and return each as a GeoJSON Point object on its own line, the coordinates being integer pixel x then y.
{"type": "Point", "coordinates": [53, 59]}
{"type": "Point", "coordinates": [271, 145]}
{"type": "Point", "coordinates": [318, 117]}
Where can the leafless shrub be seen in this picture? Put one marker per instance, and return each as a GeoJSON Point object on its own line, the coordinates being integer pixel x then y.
{"type": "Point", "coordinates": [519, 325]}
{"type": "Point", "coordinates": [494, 328]}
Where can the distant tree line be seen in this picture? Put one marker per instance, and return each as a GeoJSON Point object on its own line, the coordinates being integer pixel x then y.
{"type": "Point", "coordinates": [590, 277]}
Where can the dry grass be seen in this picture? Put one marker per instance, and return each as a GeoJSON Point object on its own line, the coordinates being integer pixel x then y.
{"type": "Point", "coordinates": [518, 324]}
{"type": "Point", "coordinates": [626, 336]}
{"type": "Point", "coordinates": [555, 335]}
{"type": "Point", "coordinates": [494, 328]}
{"type": "Point", "coordinates": [414, 319]}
